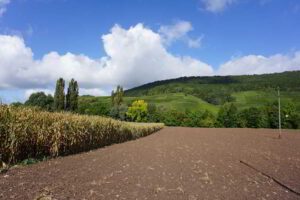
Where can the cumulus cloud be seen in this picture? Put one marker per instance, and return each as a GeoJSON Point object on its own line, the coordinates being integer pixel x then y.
{"type": "Point", "coordinates": [179, 31]}
{"type": "Point", "coordinates": [175, 31]}
{"type": "Point", "coordinates": [3, 4]}
{"type": "Point", "coordinates": [258, 64]}
{"type": "Point", "coordinates": [194, 43]}
{"type": "Point", "coordinates": [134, 56]}
{"type": "Point", "coordinates": [216, 6]}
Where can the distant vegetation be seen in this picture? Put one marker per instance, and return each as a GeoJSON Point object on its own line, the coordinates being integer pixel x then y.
{"type": "Point", "coordinates": [220, 101]}
{"type": "Point", "coordinates": [205, 87]}
{"type": "Point", "coordinates": [60, 101]}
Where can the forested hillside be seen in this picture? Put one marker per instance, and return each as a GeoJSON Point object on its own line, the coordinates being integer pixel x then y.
{"type": "Point", "coordinates": [218, 90]}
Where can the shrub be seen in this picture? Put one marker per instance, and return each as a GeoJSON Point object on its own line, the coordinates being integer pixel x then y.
{"type": "Point", "coordinates": [228, 116]}
{"type": "Point", "coordinates": [119, 112]}
{"type": "Point", "coordinates": [138, 111]}
{"type": "Point", "coordinates": [253, 118]}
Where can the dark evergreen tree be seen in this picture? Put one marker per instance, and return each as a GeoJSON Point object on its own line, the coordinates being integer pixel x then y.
{"type": "Point", "coordinates": [59, 95]}
{"type": "Point", "coordinates": [72, 96]}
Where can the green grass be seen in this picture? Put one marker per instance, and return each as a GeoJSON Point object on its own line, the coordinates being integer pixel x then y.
{"type": "Point", "coordinates": [182, 102]}
{"type": "Point", "coordinates": [194, 93]}
{"type": "Point", "coordinates": [172, 101]}
{"type": "Point", "coordinates": [248, 90]}
{"type": "Point", "coordinates": [176, 101]}
{"type": "Point", "coordinates": [260, 98]}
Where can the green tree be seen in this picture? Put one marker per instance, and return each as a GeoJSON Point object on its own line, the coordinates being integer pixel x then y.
{"type": "Point", "coordinates": [40, 99]}
{"type": "Point", "coordinates": [117, 96]}
{"type": "Point", "coordinates": [228, 116]}
{"type": "Point", "coordinates": [138, 111]}
{"type": "Point", "coordinates": [253, 118]}
{"type": "Point", "coordinates": [191, 119]}
{"type": "Point", "coordinates": [72, 96]}
{"type": "Point", "coordinates": [119, 112]}
{"type": "Point", "coordinates": [207, 119]}
{"type": "Point", "coordinates": [173, 117]}
{"type": "Point", "coordinates": [294, 121]}
{"type": "Point", "coordinates": [59, 95]}
{"type": "Point", "coordinates": [153, 115]}
{"type": "Point", "coordinates": [271, 110]}
{"type": "Point", "coordinates": [16, 104]}
{"type": "Point", "coordinates": [118, 109]}
{"type": "Point", "coordinates": [91, 105]}
{"type": "Point", "coordinates": [290, 117]}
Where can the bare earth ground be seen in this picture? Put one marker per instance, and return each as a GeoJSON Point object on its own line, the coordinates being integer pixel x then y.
{"type": "Point", "coordinates": [174, 163]}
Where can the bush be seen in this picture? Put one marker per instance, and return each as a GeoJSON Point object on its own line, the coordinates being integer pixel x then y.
{"type": "Point", "coordinates": [207, 120]}
{"type": "Point", "coordinates": [118, 112]}
{"type": "Point", "coordinates": [289, 116]}
{"type": "Point", "coordinates": [228, 116]}
{"type": "Point", "coordinates": [153, 114]}
{"type": "Point", "coordinates": [138, 111]}
{"type": "Point", "coordinates": [187, 118]}
{"type": "Point", "coordinates": [253, 118]}
{"type": "Point", "coordinates": [30, 133]}
{"type": "Point", "coordinates": [93, 108]}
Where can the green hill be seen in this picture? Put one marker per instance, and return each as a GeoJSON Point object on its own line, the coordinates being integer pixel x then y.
{"type": "Point", "coordinates": [206, 93]}
{"type": "Point", "coordinates": [172, 101]}
{"type": "Point", "coordinates": [245, 91]}
{"type": "Point", "coordinates": [287, 81]}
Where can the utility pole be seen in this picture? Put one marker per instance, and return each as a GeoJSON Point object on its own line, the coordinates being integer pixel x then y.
{"type": "Point", "coordinates": [279, 116]}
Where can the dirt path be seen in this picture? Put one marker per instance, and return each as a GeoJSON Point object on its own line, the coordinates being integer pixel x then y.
{"type": "Point", "coordinates": [174, 163]}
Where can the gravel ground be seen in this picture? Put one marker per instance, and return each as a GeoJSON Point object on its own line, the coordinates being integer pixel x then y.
{"type": "Point", "coordinates": [174, 163]}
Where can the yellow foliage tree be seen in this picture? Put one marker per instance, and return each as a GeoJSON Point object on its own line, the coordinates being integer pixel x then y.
{"type": "Point", "coordinates": [138, 111]}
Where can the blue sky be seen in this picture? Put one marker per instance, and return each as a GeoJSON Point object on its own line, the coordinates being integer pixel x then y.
{"type": "Point", "coordinates": [167, 39]}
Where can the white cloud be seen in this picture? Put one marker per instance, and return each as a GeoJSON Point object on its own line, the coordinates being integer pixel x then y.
{"type": "Point", "coordinates": [175, 31]}
{"type": "Point", "coordinates": [216, 6]}
{"type": "Point", "coordinates": [3, 4]}
{"type": "Point", "coordinates": [195, 43]}
{"type": "Point", "coordinates": [258, 64]}
{"type": "Point", "coordinates": [179, 31]}
{"type": "Point", "coordinates": [93, 92]}
{"type": "Point", "coordinates": [134, 56]}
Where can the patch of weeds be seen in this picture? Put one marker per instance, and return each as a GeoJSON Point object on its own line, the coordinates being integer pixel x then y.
{"type": "Point", "coordinates": [30, 161]}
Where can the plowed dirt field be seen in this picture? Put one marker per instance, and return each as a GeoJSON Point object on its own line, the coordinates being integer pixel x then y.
{"type": "Point", "coordinates": [174, 163]}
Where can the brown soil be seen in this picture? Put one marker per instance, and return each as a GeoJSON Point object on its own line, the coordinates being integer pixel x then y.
{"type": "Point", "coordinates": [174, 163]}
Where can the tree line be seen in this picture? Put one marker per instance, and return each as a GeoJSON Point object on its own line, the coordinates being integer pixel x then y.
{"type": "Point", "coordinates": [229, 115]}
{"type": "Point", "coordinates": [61, 101]}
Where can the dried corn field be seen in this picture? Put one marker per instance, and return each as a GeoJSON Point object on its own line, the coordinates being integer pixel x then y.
{"type": "Point", "coordinates": [31, 133]}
